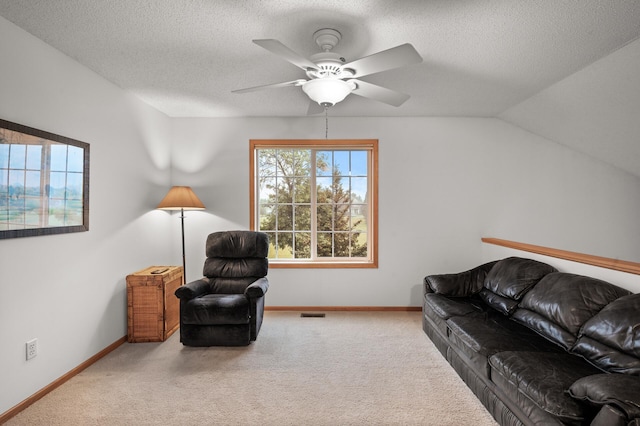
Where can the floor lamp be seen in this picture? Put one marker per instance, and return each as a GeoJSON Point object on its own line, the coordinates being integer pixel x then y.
{"type": "Point", "coordinates": [181, 198]}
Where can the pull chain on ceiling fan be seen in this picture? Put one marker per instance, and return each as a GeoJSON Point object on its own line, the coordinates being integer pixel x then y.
{"type": "Point", "coordinates": [326, 122]}
{"type": "Point", "coordinates": [331, 80]}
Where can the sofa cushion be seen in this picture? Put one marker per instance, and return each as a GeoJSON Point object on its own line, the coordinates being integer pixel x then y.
{"type": "Point", "coordinates": [480, 335]}
{"type": "Point", "coordinates": [488, 333]}
{"type": "Point", "coordinates": [620, 390]}
{"type": "Point", "coordinates": [561, 303]}
{"type": "Point", "coordinates": [543, 377]}
{"type": "Point", "coordinates": [611, 339]}
{"type": "Point", "coordinates": [445, 307]}
{"type": "Point", "coordinates": [509, 280]}
{"type": "Point", "coordinates": [439, 308]}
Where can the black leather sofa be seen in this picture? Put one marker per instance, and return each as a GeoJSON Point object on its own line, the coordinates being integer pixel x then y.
{"type": "Point", "coordinates": [537, 346]}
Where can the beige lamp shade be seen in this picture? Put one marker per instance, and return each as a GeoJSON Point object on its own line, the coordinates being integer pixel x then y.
{"type": "Point", "coordinates": [181, 198]}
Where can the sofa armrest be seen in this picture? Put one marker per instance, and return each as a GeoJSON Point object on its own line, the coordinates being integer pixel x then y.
{"type": "Point", "coordinates": [462, 284]}
{"type": "Point", "coordinates": [193, 289]}
{"type": "Point", "coordinates": [620, 391]}
{"type": "Point", "coordinates": [257, 289]}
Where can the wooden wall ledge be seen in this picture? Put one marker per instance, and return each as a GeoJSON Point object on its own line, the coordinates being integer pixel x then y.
{"type": "Point", "coordinates": [603, 262]}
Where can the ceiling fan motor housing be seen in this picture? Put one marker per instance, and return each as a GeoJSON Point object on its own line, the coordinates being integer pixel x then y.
{"type": "Point", "coordinates": [329, 65]}
{"type": "Point", "coordinates": [327, 38]}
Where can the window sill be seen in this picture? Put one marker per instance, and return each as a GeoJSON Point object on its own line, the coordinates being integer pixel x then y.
{"type": "Point", "coordinates": [275, 264]}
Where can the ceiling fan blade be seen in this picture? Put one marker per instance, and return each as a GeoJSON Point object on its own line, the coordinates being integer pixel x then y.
{"type": "Point", "coordinates": [270, 86]}
{"type": "Point", "coordinates": [314, 108]}
{"type": "Point", "coordinates": [378, 93]}
{"type": "Point", "coordinates": [274, 46]}
{"type": "Point", "coordinates": [396, 57]}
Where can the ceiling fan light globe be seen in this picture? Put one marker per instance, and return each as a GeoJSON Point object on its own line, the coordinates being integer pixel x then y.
{"type": "Point", "coordinates": [328, 91]}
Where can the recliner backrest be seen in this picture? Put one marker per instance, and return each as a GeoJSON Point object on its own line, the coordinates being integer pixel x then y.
{"type": "Point", "coordinates": [237, 244]}
{"type": "Point", "coordinates": [235, 259]}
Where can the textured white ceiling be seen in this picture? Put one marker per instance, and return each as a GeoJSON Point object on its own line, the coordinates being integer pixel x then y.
{"type": "Point", "coordinates": [481, 57]}
{"type": "Point", "coordinates": [563, 69]}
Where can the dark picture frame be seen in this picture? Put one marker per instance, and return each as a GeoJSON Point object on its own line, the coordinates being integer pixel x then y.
{"type": "Point", "coordinates": [44, 182]}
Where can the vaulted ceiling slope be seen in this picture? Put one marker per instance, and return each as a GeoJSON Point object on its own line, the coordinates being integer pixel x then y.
{"type": "Point", "coordinates": [595, 110]}
{"type": "Point", "coordinates": [566, 70]}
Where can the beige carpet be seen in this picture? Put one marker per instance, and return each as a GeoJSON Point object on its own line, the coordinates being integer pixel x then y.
{"type": "Point", "coordinates": [349, 368]}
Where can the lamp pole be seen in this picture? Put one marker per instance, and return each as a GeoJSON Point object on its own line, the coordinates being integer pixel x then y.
{"type": "Point", "coordinates": [184, 260]}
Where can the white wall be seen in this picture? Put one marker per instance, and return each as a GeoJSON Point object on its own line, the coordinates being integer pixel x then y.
{"type": "Point", "coordinates": [69, 291]}
{"type": "Point", "coordinates": [444, 184]}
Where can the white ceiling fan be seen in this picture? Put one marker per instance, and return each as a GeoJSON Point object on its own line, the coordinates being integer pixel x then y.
{"type": "Point", "coordinates": [331, 79]}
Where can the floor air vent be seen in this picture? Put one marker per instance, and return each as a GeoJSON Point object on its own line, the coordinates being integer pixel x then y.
{"type": "Point", "coordinates": [312, 315]}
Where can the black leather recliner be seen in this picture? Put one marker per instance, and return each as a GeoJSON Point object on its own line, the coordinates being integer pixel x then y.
{"type": "Point", "coordinates": [226, 306]}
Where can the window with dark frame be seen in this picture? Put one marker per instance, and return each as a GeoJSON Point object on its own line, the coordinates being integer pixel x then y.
{"type": "Point", "coordinates": [43, 182]}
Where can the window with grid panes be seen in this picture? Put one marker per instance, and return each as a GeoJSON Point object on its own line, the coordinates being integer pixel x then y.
{"type": "Point", "coordinates": [316, 200]}
{"type": "Point", "coordinates": [41, 184]}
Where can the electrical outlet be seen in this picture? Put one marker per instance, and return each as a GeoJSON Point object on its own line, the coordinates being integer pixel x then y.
{"type": "Point", "coordinates": [32, 349]}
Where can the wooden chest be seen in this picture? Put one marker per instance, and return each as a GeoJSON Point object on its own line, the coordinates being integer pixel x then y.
{"type": "Point", "coordinates": [153, 310]}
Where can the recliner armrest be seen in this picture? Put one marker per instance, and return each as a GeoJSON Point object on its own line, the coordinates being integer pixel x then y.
{"type": "Point", "coordinates": [193, 289]}
{"type": "Point", "coordinates": [257, 289]}
{"type": "Point", "coordinates": [621, 391]}
{"type": "Point", "coordinates": [462, 284]}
